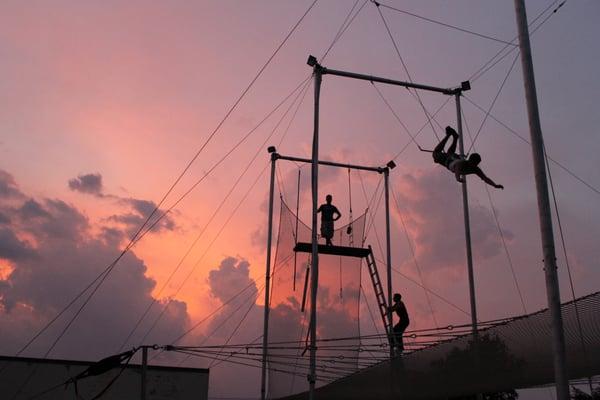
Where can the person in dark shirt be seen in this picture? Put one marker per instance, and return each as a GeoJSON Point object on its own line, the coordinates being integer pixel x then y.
{"type": "Point", "coordinates": [400, 309]}
{"type": "Point", "coordinates": [328, 211]}
{"type": "Point", "coordinates": [455, 163]}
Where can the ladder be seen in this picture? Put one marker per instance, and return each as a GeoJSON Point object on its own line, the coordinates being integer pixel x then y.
{"type": "Point", "coordinates": [378, 289]}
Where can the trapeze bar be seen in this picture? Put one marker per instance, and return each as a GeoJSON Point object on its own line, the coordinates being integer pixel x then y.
{"type": "Point", "coordinates": [333, 250]}
{"type": "Point", "coordinates": [333, 164]}
{"type": "Point", "coordinates": [371, 78]}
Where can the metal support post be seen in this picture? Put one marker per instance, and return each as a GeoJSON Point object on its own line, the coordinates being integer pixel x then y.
{"type": "Point", "coordinates": [314, 281]}
{"type": "Point", "coordinates": [263, 381]}
{"type": "Point", "coordinates": [386, 177]}
{"type": "Point", "coordinates": [465, 197]}
{"type": "Point", "coordinates": [545, 216]}
{"type": "Point", "coordinates": [144, 372]}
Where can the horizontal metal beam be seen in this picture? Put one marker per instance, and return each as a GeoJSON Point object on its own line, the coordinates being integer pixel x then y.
{"type": "Point", "coordinates": [372, 78]}
{"type": "Point", "coordinates": [331, 163]}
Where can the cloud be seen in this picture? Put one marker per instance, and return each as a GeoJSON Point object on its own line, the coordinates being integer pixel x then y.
{"type": "Point", "coordinates": [13, 249]}
{"type": "Point", "coordinates": [130, 221]}
{"type": "Point", "coordinates": [88, 183]}
{"type": "Point", "coordinates": [60, 257]}
{"type": "Point", "coordinates": [431, 205]}
{"type": "Point", "coordinates": [8, 186]}
{"type": "Point", "coordinates": [229, 278]}
{"type": "Point", "coordinates": [142, 212]}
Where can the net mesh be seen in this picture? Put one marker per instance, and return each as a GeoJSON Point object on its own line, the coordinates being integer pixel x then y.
{"type": "Point", "coordinates": [337, 305]}
{"type": "Point", "coordinates": [514, 354]}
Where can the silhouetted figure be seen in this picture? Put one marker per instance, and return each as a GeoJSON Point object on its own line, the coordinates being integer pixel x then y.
{"type": "Point", "coordinates": [455, 163]}
{"type": "Point", "coordinates": [327, 211]}
{"type": "Point", "coordinates": [400, 309]}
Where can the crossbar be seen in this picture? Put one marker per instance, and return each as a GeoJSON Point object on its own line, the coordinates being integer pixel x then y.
{"type": "Point", "coordinates": [332, 163]}
{"type": "Point", "coordinates": [371, 78]}
{"type": "Point", "coordinates": [358, 252]}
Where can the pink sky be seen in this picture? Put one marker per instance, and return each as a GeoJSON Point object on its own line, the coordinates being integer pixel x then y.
{"type": "Point", "coordinates": [131, 91]}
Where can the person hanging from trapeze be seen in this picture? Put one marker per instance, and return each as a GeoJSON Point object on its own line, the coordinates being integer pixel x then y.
{"type": "Point", "coordinates": [455, 163]}
{"type": "Point", "coordinates": [400, 309]}
{"type": "Point", "coordinates": [327, 211]}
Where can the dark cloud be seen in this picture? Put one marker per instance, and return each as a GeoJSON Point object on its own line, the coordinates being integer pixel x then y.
{"type": "Point", "coordinates": [128, 221]}
{"type": "Point", "coordinates": [88, 183]}
{"type": "Point", "coordinates": [13, 249]}
{"type": "Point", "coordinates": [142, 211]}
{"type": "Point", "coordinates": [64, 256]}
{"type": "Point", "coordinates": [8, 186]}
{"type": "Point", "coordinates": [229, 278]}
{"type": "Point", "coordinates": [432, 209]}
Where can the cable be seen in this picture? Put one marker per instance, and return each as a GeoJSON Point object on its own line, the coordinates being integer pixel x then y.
{"type": "Point", "coordinates": [244, 197]}
{"type": "Point", "coordinates": [515, 133]}
{"type": "Point", "coordinates": [414, 256]}
{"type": "Point", "coordinates": [206, 250]}
{"type": "Point", "coordinates": [107, 271]}
{"type": "Point", "coordinates": [568, 265]}
{"type": "Point", "coordinates": [445, 24]}
{"type": "Point", "coordinates": [389, 106]}
{"type": "Point", "coordinates": [345, 25]}
{"type": "Point", "coordinates": [505, 246]}
{"type": "Point", "coordinates": [225, 198]}
{"type": "Point", "coordinates": [493, 102]}
{"type": "Point", "coordinates": [387, 28]}
{"type": "Point", "coordinates": [403, 149]}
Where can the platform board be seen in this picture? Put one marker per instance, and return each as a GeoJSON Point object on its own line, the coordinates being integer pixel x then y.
{"type": "Point", "coordinates": [333, 250]}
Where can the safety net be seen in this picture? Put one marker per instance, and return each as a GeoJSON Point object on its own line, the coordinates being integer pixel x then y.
{"type": "Point", "coordinates": [337, 305]}
{"type": "Point", "coordinates": [512, 354]}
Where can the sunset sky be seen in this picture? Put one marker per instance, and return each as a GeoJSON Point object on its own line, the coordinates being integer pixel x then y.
{"type": "Point", "coordinates": [103, 104]}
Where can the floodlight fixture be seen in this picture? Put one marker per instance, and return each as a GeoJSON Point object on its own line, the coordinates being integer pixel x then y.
{"type": "Point", "coordinates": [312, 60]}
{"type": "Point", "coordinates": [466, 85]}
{"type": "Point", "coordinates": [271, 149]}
{"type": "Point", "coordinates": [391, 164]}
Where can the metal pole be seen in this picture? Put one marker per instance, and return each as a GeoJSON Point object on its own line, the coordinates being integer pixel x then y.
{"type": "Point", "coordinates": [144, 371]}
{"type": "Point", "coordinates": [314, 281]}
{"type": "Point", "coordinates": [263, 381]}
{"type": "Point", "coordinates": [386, 176]}
{"type": "Point", "coordinates": [467, 222]}
{"type": "Point", "coordinates": [545, 216]}
{"type": "Point", "coordinates": [296, 230]}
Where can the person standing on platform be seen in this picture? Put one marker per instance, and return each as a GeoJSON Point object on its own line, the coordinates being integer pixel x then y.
{"type": "Point", "coordinates": [328, 211]}
{"type": "Point", "coordinates": [400, 309]}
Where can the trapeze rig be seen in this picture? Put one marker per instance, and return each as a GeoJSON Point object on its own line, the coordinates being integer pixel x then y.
{"type": "Point", "coordinates": [318, 72]}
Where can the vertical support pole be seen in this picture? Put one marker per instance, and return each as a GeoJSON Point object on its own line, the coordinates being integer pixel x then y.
{"type": "Point", "coordinates": [296, 230]}
{"type": "Point", "coordinates": [144, 390]}
{"type": "Point", "coordinates": [467, 221]}
{"type": "Point", "coordinates": [544, 211]}
{"type": "Point", "coordinates": [386, 178]}
{"type": "Point", "coordinates": [314, 277]}
{"type": "Point", "coordinates": [263, 380]}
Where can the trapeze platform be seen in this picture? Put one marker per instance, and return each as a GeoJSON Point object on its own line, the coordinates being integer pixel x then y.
{"type": "Point", "coordinates": [358, 252]}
